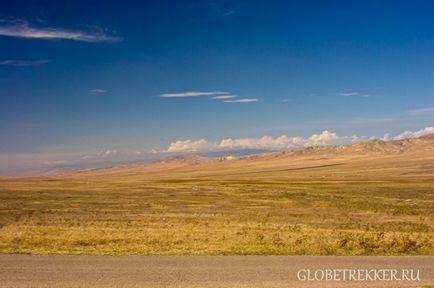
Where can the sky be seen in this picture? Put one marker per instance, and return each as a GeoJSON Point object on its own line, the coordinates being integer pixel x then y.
{"type": "Point", "coordinates": [112, 81]}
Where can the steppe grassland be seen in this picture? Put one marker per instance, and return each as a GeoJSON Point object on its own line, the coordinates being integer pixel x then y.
{"type": "Point", "coordinates": [173, 214]}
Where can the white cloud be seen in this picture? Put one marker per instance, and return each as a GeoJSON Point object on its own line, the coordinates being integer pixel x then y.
{"type": "Point", "coordinates": [223, 97]}
{"type": "Point", "coordinates": [386, 137]}
{"type": "Point", "coordinates": [192, 94]}
{"type": "Point", "coordinates": [348, 94]}
{"type": "Point", "coordinates": [22, 29]}
{"type": "Point", "coordinates": [415, 134]}
{"type": "Point", "coordinates": [283, 142]}
{"type": "Point", "coordinates": [23, 63]}
{"type": "Point", "coordinates": [242, 100]}
{"type": "Point", "coordinates": [421, 111]}
{"type": "Point", "coordinates": [107, 153]}
{"type": "Point", "coordinates": [330, 138]}
{"type": "Point", "coordinates": [190, 146]}
{"type": "Point", "coordinates": [226, 97]}
{"type": "Point", "coordinates": [323, 137]}
{"type": "Point", "coordinates": [264, 142]}
{"type": "Point", "coordinates": [97, 91]}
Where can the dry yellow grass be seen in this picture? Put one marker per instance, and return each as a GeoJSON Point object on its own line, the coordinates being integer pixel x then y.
{"type": "Point", "coordinates": [372, 198]}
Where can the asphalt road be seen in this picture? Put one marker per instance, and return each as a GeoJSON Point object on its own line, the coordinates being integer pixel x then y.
{"type": "Point", "coordinates": [202, 271]}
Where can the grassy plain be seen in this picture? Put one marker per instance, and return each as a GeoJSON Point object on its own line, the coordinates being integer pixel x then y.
{"type": "Point", "coordinates": [358, 200]}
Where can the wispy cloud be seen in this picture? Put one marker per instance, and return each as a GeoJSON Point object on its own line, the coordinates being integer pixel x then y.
{"type": "Point", "coordinates": [352, 94]}
{"type": "Point", "coordinates": [229, 13]}
{"type": "Point", "coordinates": [348, 94]}
{"type": "Point", "coordinates": [101, 154]}
{"type": "Point", "coordinates": [223, 97]}
{"type": "Point", "coordinates": [23, 63]}
{"type": "Point", "coordinates": [242, 100]}
{"type": "Point", "coordinates": [192, 94]}
{"type": "Point", "coordinates": [214, 8]}
{"type": "Point", "coordinates": [97, 91]}
{"type": "Point", "coordinates": [226, 97]}
{"type": "Point", "coordinates": [421, 111]}
{"type": "Point", "coordinates": [23, 29]}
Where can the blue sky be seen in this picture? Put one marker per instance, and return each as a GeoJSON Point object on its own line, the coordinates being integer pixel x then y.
{"type": "Point", "coordinates": [88, 83]}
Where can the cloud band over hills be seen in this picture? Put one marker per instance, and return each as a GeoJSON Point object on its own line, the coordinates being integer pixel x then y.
{"type": "Point", "coordinates": [282, 142]}
{"type": "Point", "coordinates": [111, 155]}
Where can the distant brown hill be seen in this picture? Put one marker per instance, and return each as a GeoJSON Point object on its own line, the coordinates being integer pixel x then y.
{"type": "Point", "coordinates": [373, 158]}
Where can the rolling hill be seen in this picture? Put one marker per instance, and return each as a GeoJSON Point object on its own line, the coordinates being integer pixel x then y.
{"type": "Point", "coordinates": [398, 158]}
{"type": "Point", "coordinates": [368, 198]}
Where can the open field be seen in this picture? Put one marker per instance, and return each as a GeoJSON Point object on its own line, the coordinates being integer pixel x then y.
{"type": "Point", "coordinates": [373, 198]}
